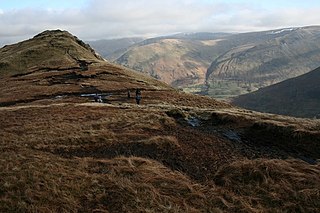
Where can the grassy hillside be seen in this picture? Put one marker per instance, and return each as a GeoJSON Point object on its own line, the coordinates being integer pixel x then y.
{"type": "Point", "coordinates": [175, 152]}
{"type": "Point", "coordinates": [295, 97]}
{"type": "Point", "coordinates": [178, 62]}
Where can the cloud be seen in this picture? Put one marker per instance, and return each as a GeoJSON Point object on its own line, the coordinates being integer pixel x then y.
{"type": "Point", "coordinates": [108, 18]}
{"type": "Point", "coordinates": [144, 16]}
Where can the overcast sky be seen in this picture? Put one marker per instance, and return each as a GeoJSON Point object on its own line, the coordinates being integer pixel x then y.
{"type": "Point", "coordinates": [99, 19]}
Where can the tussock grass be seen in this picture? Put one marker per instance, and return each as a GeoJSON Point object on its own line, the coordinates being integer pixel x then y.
{"type": "Point", "coordinates": [273, 185]}
{"type": "Point", "coordinates": [42, 182]}
{"type": "Point", "coordinates": [139, 159]}
{"type": "Point", "coordinates": [300, 137]}
{"type": "Point", "coordinates": [37, 182]}
{"type": "Point", "coordinates": [144, 185]}
{"type": "Point", "coordinates": [162, 142]}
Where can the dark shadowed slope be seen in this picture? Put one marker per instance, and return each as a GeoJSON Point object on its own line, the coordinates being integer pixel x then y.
{"type": "Point", "coordinates": [298, 97]}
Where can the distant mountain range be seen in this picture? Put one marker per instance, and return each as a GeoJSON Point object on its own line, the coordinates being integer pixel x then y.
{"type": "Point", "coordinates": [299, 97]}
{"type": "Point", "coordinates": [225, 65]}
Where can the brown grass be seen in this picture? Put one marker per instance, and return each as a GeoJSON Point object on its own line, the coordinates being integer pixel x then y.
{"type": "Point", "coordinates": [68, 154]}
{"type": "Point", "coordinates": [41, 182]}
{"type": "Point", "coordinates": [128, 158]}
{"type": "Point", "coordinates": [273, 185]}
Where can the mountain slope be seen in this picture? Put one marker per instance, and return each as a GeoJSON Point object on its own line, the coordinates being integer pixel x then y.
{"type": "Point", "coordinates": [295, 97]}
{"type": "Point", "coordinates": [175, 152]}
{"type": "Point", "coordinates": [178, 60]}
{"type": "Point", "coordinates": [253, 65]}
{"type": "Point", "coordinates": [169, 60]}
{"type": "Point", "coordinates": [226, 65]}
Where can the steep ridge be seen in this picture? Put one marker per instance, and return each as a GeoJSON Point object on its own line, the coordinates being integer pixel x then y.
{"type": "Point", "coordinates": [295, 97]}
{"type": "Point", "coordinates": [175, 152]}
{"type": "Point", "coordinates": [253, 65]}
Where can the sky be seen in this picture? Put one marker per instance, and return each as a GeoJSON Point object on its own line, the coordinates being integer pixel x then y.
{"type": "Point", "coordinates": [105, 19]}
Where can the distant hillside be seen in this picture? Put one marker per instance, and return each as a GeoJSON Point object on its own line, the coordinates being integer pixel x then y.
{"type": "Point", "coordinates": [254, 64]}
{"type": "Point", "coordinates": [298, 97]}
{"type": "Point", "coordinates": [179, 60]}
{"type": "Point", "coordinates": [226, 65]}
{"type": "Point", "coordinates": [111, 49]}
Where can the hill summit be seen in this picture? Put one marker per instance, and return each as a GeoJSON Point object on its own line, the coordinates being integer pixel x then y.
{"type": "Point", "coordinates": [63, 150]}
{"type": "Point", "coordinates": [54, 49]}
